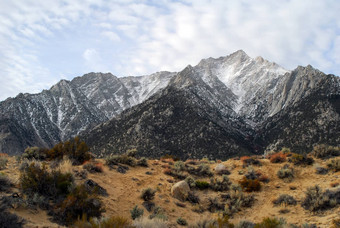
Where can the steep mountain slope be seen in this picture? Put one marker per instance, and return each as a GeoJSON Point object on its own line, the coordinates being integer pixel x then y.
{"type": "Point", "coordinates": [311, 116]}
{"type": "Point", "coordinates": [183, 120]}
{"type": "Point", "coordinates": [221, 107]}
{"type": "Point", "coordinates": [70, 107]}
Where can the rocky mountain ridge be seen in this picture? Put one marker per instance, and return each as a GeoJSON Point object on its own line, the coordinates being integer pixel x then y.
{"type": "Point", "coordinates": [233, 104]}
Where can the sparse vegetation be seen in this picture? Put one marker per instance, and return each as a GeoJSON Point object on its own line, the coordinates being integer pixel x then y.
{"type": "Point", "coordinates": [217, 184]}
{"type": "Point", "coordinates": [249, 185]}
{"type": "Point", "coordinates": [334, 165]}
{"type": "Point", "coordinates": [114, 221]}
{"type": "Point", "coordinates": [122, 159]}
{"type": "Point", "coordinates": [286, 173]}
{"type": "Point", "coordinates": [278, 157]}
{"type": "Point", "coordinates": [136, 212]}
{"type": "Point", "coordinates": [8, 219]}
{"type": "Point", "coordinates": [191, 181]}
{"type": "Point", "coordinates": [181, 221]}
{"type": "Point", "coordinates": [148, 194]}
{"type": "Point", "coordinates": [316, 200]}
{"type": "Point", "coordinates": [269, 223]}
{"type": "Point", "coordinates": [285, 200]}
{"type": "Point", "coordinates": [78, 203]}
{"type": "Point", "coordinates": [202, 184]}
{"type": "Point", "coordinates": [299, 159]}
{"type": "Point", "coordinates": [247, 161]}
{"type": "Point", "coordinates": [237, 200]}
{"type": "Point", "coordinates": [93, 167]}
{"type": "Point", "coordinates": [325, 151]}
{"type": "Point", "coordinates": [150, 223]}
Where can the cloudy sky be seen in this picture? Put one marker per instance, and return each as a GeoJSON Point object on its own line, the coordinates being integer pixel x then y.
{"type": "Point", "coordinates": [43, 41]}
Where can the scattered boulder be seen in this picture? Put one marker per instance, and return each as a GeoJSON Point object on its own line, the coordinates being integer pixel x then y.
{"type": "Point", "coordinates": [180, 190]}
{"type": "Point", "coordinates": [221, 169]}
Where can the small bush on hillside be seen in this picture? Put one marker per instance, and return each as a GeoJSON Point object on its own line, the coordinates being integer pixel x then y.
{"type": "Point", "coordinates": [8, 219]}
{"type": "Point", "coordinates": [334, 165]}
{"type": "Point", "coordinates": [181, 221]}
{"type": "Point", "coordinates": [249, 185]}
{"type": "Point", "coordinates": [3, 163]}
{"type": "Point", "coordinates": [285, 200]}
{"type": "Point", "coordinates": [114, 221]}
{"type": "Point", "coordinates": [245, 224]}
{"type": "Point", "coordinates": [143, 162]}
{"type": "Point", "coordinates": [317, 200]}
{"type": "Point", "coordinates": [286, 173]}
{"type": "Point", "coordinates": [236, 201]}
{"type": "Point", "coordinates": [191, 181]}
{"type": "Point", "coordinates": [179, 166]}
{"type": "Point", "coordinates": [35, 153]}
{"type": "Point", "coordinates": [5, 183]}
{"type": "Point", "coordinates": [217, 184]}
{"type": "Point", "coordinates": [136, 212]}
{"type": "Point", "coordinates": [325, 151]}
{"type": "Point", "coordinates": [247, 161]}
{"type": "Point", "coordinates": [193, 198]}
{"type": "Point", "coordinates": [75, 149]}
{"type": "Point", "coordinates": [159, 213]}
{"type": "Point", "coordinates": [93, 167]}
{"type": "Point", "coordinates": [37, 179]}
{"type": "Point", "coordinates": [298, 159]}
{"type": "Point", "coordinates": [278, 157]}
{"type": "Point", "coordinates": [215, 205]}
{"type": "Point", "coordinates": [321, 170]}
{"type": "Point", "coordinates": [148, 194]}
{"type": "Point", "coordinates": [202, 184]}
{"type": "Point", "coordinates": [122, 159]}
{"type": "Point", "coordinates": [78, 203]}
{"type": "Point", "coordinates": [150, 223]}
{"type": "Point", "coordinates": [269, 223]}
{"type": "Point", "coordinates": [202, 170]}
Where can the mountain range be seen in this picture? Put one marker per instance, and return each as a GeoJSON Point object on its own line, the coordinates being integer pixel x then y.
{"type": "Point", "coordinates": [232, 105]}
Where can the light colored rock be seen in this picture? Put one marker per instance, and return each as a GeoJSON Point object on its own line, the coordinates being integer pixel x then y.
{"type": "Point", "coordinates": [180, 190]}
{"type": "Point", "coordinates": [221, 169]}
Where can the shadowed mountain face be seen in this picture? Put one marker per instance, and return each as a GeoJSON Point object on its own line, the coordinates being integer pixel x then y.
{"type": "Point", "coordinates": [223, 107]}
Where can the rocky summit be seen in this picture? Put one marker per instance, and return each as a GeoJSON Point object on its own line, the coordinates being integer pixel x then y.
{"type": "Point", "coordinates": [220, 108]}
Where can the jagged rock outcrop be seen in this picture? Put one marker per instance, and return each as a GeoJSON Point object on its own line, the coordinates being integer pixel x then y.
{"type": "Point", "coordinates": [220, 108]}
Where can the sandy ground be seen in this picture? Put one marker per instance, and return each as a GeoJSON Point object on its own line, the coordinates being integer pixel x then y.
{"type": "Point", "coordinates": [125, 189]}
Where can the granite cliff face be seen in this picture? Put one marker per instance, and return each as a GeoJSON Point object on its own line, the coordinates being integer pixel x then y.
{"type": "Point", "coordinates": [219, 108]}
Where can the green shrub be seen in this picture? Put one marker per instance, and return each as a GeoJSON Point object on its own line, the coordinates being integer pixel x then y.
{"type": "Point", "coordinates": [179, 166]}
{"type": "Point", "coordinates": [191, 181]}
{"type": "Point", "coordinates": [220, 184]}
{"type": "Point", "coordinates": [215, 205]}
{"type": "Point", "coordinates": [334, 165]}
{"type": "Point", "coordinates": [202, 170]}
{"type": "Point", "coordinates": [298, 159]}
{"type": "Point", "coordinates": [37, 179]}
{"type": "Point", "coordinates": [159, 213]}
{"type": "Point", "coordinates": [325, 151]}
{"type": "Point", "coordinates": [181, 221]}
{"type": "Point", "coordinates": [35, 153]}
{"type": "Point", "coordinates": [249, 185]}
{"type": "Point", "coordinates": [75, 149]}
{"type": "Point", "coordinates": [136, 212]}
{"type": "Point", "coordinates": [285, 199]}
{"type": "Point", "coordinates": [245, 224]}
{"type": "Point", "coordinates": [148, 194]}
{"type": "Point", "coordinates": [78, 203]}
{"type": "Point", "coordinates": [316, 200]}
{"type": "Point", "coordinates": [122, 159]}
{"type": "Point", "coordinates": [236, 201]}
{"type": "Point", "coordinates": [286, 173]}
{"type": "Point", "coordinates": [3, 163]}
{"type": "Point", "coordinates": [202, 184]}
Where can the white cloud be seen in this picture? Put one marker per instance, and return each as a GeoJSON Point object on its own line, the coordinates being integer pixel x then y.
{"type": "Point", "coordinates": [139, 37]}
